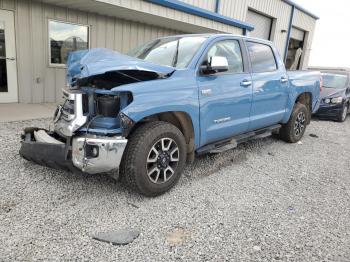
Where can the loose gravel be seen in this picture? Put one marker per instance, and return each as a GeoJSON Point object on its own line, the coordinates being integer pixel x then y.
{"type": "Point", "coordinates": [264, 201]}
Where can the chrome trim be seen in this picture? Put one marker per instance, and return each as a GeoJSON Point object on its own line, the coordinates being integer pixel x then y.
{"type": "Point", "coordinates": [246, 83]}
{"type": "Point", "coordinates": [110, 152]}
{"type": "Point", "coordinates": [222, 120]}
{"type": "Point", "coordinates": [207, 92]}
{"type": "Point", "coordinates": [68, 123]}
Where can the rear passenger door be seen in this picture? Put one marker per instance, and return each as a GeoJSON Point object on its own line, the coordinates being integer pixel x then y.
{"type": "Point", "coordinates": [270, 86]}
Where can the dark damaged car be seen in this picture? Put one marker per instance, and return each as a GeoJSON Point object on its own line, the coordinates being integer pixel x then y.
{"type": "Point", "coordinates": [335, 94]}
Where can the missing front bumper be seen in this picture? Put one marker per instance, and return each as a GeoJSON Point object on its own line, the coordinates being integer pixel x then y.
{"type": "Point", "coordinates": [89, 154]}
{"type": "Point", "coordinates": [46, 154]}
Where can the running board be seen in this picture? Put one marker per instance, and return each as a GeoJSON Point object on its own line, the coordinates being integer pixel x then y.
{"type": "Point", "coordinates": [230, 143]}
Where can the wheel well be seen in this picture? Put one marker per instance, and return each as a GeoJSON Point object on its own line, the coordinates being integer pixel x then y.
{"type": "Point", "coordinates": [306, 99]}
{"type": "Point", "coordinates": [182, 121]}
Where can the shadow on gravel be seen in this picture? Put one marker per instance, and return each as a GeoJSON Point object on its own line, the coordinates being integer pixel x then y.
{"type": "Point", "coordinates": [209, 164]}
{"type": "Point", "coordinates": [202, 167]}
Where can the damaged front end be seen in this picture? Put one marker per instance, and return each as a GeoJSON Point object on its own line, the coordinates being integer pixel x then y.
{"type": "Point", "coordinates": [87, 134]}
{"type": "Point", "coordinates": [90, 129]}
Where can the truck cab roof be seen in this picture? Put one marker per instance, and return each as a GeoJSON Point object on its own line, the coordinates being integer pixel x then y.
{"type": "Point", "coordinates": [219, 35]}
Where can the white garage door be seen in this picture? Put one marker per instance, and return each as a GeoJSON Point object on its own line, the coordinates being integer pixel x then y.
{"type": "Point", "coordinates": [262, 25]}
{"type": "Point", "coordinates": [297, 34]}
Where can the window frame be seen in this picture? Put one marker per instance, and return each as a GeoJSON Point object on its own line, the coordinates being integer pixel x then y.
{"type": "Point", "coordinates": [52, 65]}
{"type": "Point", "coordinates": [210, 45]}
{"type": "Point", "coordinates": [273, 55]}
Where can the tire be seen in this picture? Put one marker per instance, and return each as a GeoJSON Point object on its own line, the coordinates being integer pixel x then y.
{"type": "Point", "coordinates": [294, 129]}
{"type": "Point", "coordinates": [344, 113]}
{"type": "Point", "coordinates": [145, 164]}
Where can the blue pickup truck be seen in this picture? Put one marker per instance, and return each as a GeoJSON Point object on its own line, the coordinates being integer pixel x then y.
{"type": "Point", "coordinates": [142, 116]}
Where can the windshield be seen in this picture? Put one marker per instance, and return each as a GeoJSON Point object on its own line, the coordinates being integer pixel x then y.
{"type": "Point", "coordinates": [334, 81]}
{"type": "Point", "coordinates": [171, 51]}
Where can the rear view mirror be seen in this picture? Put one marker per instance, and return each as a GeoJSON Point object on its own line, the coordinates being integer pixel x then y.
{"type": "Point", "coordinates": [215, 64]}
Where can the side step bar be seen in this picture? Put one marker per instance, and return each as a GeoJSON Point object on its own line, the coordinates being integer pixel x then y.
{"type": "Point", "coordinates": [230, 143]}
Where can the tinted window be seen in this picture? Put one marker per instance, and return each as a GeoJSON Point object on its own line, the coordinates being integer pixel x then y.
{"type": "Point", "coordinates": [261, 57]}
{"type": "Point", "coordinates": [232, 51]}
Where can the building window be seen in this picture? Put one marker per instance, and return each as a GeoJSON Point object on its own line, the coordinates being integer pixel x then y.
{"type": "Point", "coordinates": [64, 38]}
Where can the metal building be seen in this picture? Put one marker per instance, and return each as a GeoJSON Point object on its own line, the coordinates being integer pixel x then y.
{"type": "Point", "coordinates": [36, 35]}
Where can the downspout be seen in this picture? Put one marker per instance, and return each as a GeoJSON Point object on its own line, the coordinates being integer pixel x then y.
{"type": "Point", "coordinates": [217, 6]}
{"type": "Point", "coordinates": [289, 33]}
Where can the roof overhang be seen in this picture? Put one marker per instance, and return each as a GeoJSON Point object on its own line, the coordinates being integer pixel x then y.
{"type": "Point", "coordinates": [131, 11]}
{"type": "Point", "coordinates": [193, 10]}
{"type": "Point", "coordinates": [302, 9]}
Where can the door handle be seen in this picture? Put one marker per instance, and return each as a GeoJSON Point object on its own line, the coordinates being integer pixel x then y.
{"type": "Point", "coordinates": [246, 83]}
{"type": "Point", "coordinates": [10, 58]}
{"type": "Point", "coordinates": [284, 79]}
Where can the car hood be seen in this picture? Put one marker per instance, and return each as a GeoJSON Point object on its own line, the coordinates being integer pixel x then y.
{"type": "Point", "coordinates": [332, 92]}
{"type": "Point", "coordinates": [98, 61]}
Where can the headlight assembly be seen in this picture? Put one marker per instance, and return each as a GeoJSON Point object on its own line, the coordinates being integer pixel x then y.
{"type": "Point", "coordinates": [336, 100]}
{"type": "Point", "coordinates": [126, 124]}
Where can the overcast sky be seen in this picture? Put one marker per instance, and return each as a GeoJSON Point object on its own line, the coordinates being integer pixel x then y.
{"type": "Point", "coordinates": [331, 43]}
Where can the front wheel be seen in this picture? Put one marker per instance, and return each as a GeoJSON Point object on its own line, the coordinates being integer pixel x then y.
{"type": "Point", "coordinates": [343, 113]}
{"type": "Point", "coordinates": [154, 158]}
{"type": "Point", "coordinates": [294, 129]}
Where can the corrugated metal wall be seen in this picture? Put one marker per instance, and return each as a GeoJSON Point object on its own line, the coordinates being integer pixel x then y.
{"type": "Point", "coordinates": [205, 25]}
{"type": "Point", "coordinates": [280, 12]}
{"type": "Point", "coordinates": [307, 24]}
{"type": "Point", "coordinates": [276, 9]}
{"type": "Point", "coordinates": [234, 8]}
{"type": "Point", "coordinates": [38, 82]}
{"type": "Point", "coordinates": [7, 4]}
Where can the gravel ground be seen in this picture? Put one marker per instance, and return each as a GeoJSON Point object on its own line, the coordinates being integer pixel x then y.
{"type": "Point", "coordinates": [264, 201]}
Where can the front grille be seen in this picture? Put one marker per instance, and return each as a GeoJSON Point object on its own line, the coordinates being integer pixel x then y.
{"type": "Point", "coordinates": [72, 113]}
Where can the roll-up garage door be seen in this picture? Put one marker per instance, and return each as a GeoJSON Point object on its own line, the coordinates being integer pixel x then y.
{"type": "Point", "coordinates": [262, 25]}
{"type": "Point", "coordinates": [297, 34]}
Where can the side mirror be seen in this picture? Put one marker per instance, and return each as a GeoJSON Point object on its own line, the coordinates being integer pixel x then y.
{"type": "Point", "coordinates": [215, 65]}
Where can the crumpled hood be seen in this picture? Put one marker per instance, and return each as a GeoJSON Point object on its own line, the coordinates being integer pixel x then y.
{"type": "Point", "coordinates": [332, 92]}
{"type": "Point", "coordinates": [97, 61]}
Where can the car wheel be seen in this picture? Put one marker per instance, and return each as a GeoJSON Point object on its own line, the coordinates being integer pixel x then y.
{"type": "Point", "coordinates": [154, 158]}
{"type": "Point", "coordinates": [294, 129]}
{"type": "Point", "coordinates": [344, 113]}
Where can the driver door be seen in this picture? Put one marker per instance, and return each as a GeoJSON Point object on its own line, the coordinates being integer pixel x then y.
{"type": "Point", "coordinates": [225, 98]}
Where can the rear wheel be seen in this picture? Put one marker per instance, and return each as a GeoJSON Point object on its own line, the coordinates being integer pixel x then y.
{"type": "Point", "coordinates": [154, 158]}
{"type": "Point", "coordinates": [343, 113]}
{"type": "Point", "coordinates": [294, 129]}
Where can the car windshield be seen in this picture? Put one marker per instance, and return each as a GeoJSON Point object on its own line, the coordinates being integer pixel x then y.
{"type": "Point", "coordinates": [171, 51]}
{"type": "Point", "coordinates": [334, 81]}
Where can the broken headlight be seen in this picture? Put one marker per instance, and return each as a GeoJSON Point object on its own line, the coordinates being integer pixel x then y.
{"type": "Point", "coordinates": [126, 123]}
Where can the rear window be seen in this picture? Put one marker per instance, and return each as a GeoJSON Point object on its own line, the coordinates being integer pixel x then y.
{"type": "Point", "coordinates": [261, 57]}
{"type": "Point", "coordinates": [334, 81]}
